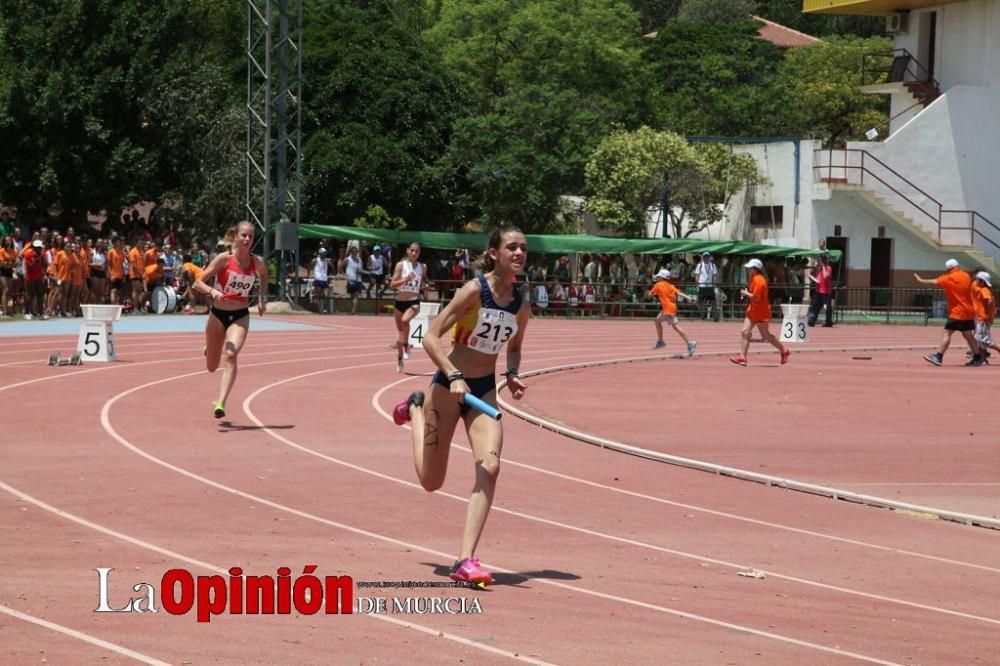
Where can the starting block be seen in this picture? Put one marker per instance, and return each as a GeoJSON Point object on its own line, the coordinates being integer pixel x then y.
{"type": "Point", "coordinates": [72, 360]}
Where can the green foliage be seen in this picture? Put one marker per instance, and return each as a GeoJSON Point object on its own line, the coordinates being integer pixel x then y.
{"type": "Point", "coordinates": [546, 81]}
{"type": "Point", "coordinates": [82, 100]}
{"type": "Point", "coordinates": [625, 176]}
{"type": "Point", "coordinates": [714, 78]}
{"type": "Point", "coordinates": [380, 110]}
{"type": "Point", "coordinates": [789, 13]}
{"type": "Point", "coordinates": [716, 11]}
{"type": "Point", "coordinates": [437, 112]}
{"type": "Point", "coordinates": [654, 14]}
{"type": "Point", "coordinates": [820, 90]}
{"type": "Point", "coordinates": [376, 217]}
{"type": "Point", "coordinates": [699, 196]}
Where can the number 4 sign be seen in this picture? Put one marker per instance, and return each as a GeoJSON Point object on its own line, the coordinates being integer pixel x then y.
{"type": "Point", "coordinates": [420, 323]}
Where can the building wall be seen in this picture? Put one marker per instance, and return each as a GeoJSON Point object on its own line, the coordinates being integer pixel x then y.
{"type": "Point", "coordinates": [949, 150]}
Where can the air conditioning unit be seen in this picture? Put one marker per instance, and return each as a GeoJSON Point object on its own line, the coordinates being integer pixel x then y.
{"type": "Point", "coordinates": [896, 23]}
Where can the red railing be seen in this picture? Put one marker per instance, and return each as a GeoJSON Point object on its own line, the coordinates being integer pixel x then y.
{"type": "Point", "coordinates": [855, 164]}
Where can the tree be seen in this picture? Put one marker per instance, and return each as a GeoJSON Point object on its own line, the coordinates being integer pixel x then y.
{"type": "Point", "coordinates": [81, 88]}
{"type": "Point", "coordinates": [821, 93]}
{"type": "Point", "coordinates": [700, 195]}
{"type": "Point", "coordinates": [654, 14]}
{"type": "Point", "coordinates": [625, 176]}
{"type": "Point", "coordinates": [379, 115]}
{"type": "Point", "coordinates": [714, 78]}
{"type": "Point", "coordinates": [376, 217]}
{"type": "Point", "coordinates": [716, 11]}
{"type": "Point", "coordinates": [546, 80]}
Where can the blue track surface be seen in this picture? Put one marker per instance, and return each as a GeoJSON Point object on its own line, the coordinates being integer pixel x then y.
{"type": "Point", "coordinates": [140, 324]}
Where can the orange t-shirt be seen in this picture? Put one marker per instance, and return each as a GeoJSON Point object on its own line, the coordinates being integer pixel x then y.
{"type": "Point", "coordinates": [667, 294]}
{"type": "Point", "coordinates": [195, 271]}
{"type": "Point", "coordinates": [77, 269]}
{"type": "Point", "coordinates": [152, 254]}
{"type": "Point", "coordinates": [135, 264]}
{"type": "Point", "coordinates": [760, 305]}
{"type": "Point", "coordinates": [982, 300]}
{"type": "Point", "coordinates": [8, 257]}
{"type": "Point", "coordinates": [85, 262]}
{"type": "Point", "coordinates": [116, 264]}
{"type": "Point", "coordinates": [957, 287]}
{"type": "Point", "coordinates": [62, 265]}
{"type": "Point", "coordinates": [153, 273]}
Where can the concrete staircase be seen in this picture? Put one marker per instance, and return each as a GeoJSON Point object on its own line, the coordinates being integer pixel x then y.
{"type": "Point", "coordinates": [962, 232]}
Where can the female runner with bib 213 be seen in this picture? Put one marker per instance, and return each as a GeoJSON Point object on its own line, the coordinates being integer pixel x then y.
{"type": "Point", "coordinates": [485, 313]}
{"type": "Point", "coordinates": [234, 273]}
{"type": "Point", "coordinates": [409, 279]}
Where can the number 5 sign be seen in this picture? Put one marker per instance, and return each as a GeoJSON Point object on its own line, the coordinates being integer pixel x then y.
{"type": "Point", "coordinates": [97, 340]}
{"type": "Point", "coordinates": [793, 323]}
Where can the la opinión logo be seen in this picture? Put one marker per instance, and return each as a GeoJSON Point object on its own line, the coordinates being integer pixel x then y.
{"type": "Point", "coordinates": [180, 591]}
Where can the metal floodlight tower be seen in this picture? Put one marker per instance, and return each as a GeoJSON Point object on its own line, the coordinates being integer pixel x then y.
{"type": "Point", "coordinates": [274, 132]}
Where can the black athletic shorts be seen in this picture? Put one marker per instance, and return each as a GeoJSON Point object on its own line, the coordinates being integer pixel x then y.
{"type": "Point", "coordinates": [960, 325]}
{"type": "Point", "coordinates": [478, 386]}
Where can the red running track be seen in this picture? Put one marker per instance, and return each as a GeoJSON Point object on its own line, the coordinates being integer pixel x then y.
{"type": "Point", "coordinates": [598, 555]}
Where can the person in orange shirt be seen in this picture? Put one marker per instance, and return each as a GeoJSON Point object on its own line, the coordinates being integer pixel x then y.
{"type": "Point", "coordinates": [190, 273]}
{"type": "Point", "coordinates": [151, 255]}
{"type": "Point", "coordinates": [153, 274]}
{"type": "Point", "coordinates": [667, 295]}
{"type": "Point", "coordinates": [77, 279]}
{"type": "Point", "coordinates": [137, 274]}
{"type": "Point", "coordinates": [62, 268]}
{"type": "Point", "coordinates": [84, 250]}
{"type": "Point", "coordinates": [758, 313]}
{"type": "Point", "coordinates": [8, 260]}
{"type": "Point", "coordinates": [986, 309]}
{"type": "Point", "coordinates": [957, 287]}
{"type": "Point", "coordinates": [116, 270]}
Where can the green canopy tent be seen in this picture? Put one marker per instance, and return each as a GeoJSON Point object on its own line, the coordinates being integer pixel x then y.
{"type": "Point", "coordinates": [559, 243]}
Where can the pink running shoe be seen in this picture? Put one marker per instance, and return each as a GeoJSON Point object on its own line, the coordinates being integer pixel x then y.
{"type": "Point", "coordinates": [785, 353]}
{"type": "Point", "coordinates": [739, 359]}
{"type": "Point", "coordinates": [469, 571]}
{"type": "Point", "coordinates": [401, 412]}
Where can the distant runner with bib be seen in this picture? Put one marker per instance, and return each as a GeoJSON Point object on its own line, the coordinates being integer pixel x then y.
{"type": "Point", "coordinates": [409, 279]}
{"type": "Point", "coordinates": [234, 274]}
{"type": "Point", "coordinates": [486, 313]}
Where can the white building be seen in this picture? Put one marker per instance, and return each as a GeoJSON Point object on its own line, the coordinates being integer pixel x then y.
{"type": "Point", "coordinates": [926, 189]}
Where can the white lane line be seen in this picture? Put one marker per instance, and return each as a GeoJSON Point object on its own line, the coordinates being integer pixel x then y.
{"type": "Point", "coordinates": [714, 468]}
{"type": "Point", "coordinates": [79, 635]}
{"type": "Point", "coordinates": [145, 545]}
{"type": "Point", "coordinates": [106, 423]}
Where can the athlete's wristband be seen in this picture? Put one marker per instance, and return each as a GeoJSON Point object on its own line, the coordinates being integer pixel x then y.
{"type": "Point", "coordinates": [454, 375]}
{"type": "Point", "coordinates": [511, 374]}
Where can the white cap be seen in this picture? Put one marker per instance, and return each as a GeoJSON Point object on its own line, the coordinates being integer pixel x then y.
{"type": "Point", "coordinates": [985, 277]}
{"type": "Point", "coordinates": [322, 250]}
{"type": "Point", "coordinates": [664, 274]}
{"type": "Point", "coordinates": [755, 263]}
{"type": "Point", "coordinates": [951, 263]}
{"type": "Point", "coordinates": [37, 243]}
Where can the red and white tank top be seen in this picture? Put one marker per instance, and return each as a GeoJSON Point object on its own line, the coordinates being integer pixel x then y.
{"type": "Point", "coordinates": [234, 282]}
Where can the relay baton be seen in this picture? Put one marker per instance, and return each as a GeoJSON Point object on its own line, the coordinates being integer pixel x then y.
{"type": "Point", "coordinates": [484, 407]}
